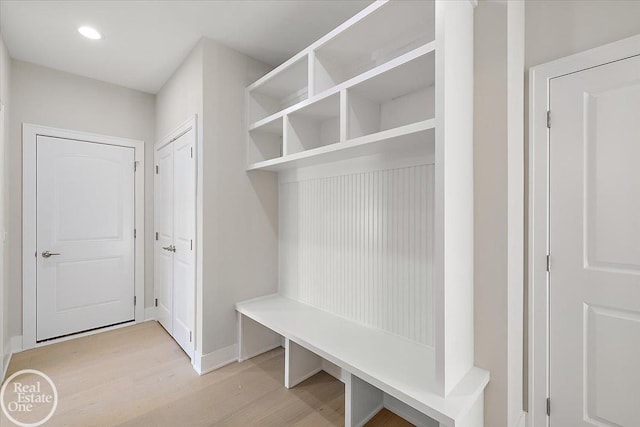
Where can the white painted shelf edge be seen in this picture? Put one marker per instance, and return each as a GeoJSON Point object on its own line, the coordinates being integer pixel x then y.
{"type": "Point", "coordinates": [341, 28]}
{"type": "Point", "coordinates": [381, 69]}
{"type": "Point", "coordinates": [363, 145]}
{"type": "Point", "coordinates": [399, 367]}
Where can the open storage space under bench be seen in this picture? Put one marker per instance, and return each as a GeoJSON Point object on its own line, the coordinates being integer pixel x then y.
{"type": "Point", "coordinates": [380, 369]}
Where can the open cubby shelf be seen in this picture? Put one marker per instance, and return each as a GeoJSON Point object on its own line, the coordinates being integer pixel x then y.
{"type": "Point", "coordinates": [371, 131]}
{"type": "Point", "coordinates": [392, 95]}
{"type": "Point", "coordinates": [266, 141]}
{"type": "Point", "coordinates": [275, 92]}
{"type": "Point", "coordinates": [416, 139]}
{"type": "Point", "coordinates": [376, 39]}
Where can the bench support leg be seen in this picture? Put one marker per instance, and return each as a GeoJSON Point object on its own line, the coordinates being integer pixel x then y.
{"type": "Point", "coordinates": [362, 401]}
{"type": "Point", "coordinates": [299, 364]}
{"type": "Point", "coordinates": [254, 339]}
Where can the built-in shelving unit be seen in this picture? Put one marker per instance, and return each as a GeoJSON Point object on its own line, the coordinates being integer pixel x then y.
{"type": "Point", "coordinates": [383, 236]}
{"type": "Point", "coordinates": [265, 140]}
{"type": "Point", "coordinates": [414, 140]}
{"type": "Point", "coordinates": [376, 72]}
{"type": "Point", "coordinates": [376, 39]}
{"type": "Point", "coordinates": [391, 95]}
{"type": "Point", "coordinates": [277, 91]}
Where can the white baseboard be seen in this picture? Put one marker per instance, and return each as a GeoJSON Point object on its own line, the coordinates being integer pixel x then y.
{"type": "Point", "coordinates": [6, 359]}
{"type": "Point", "coordinates": [216, 359]}
{"type": "Point", "coordinates": [16, 344]}
{"type": "Point", "coordinates": [150, 313]}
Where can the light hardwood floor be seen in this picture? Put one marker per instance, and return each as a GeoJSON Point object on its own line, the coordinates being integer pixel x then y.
{"type": "Point", "coordinates": [138, 376]}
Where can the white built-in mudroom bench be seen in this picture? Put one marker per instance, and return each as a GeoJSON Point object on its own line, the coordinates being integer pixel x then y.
{"type": "Point", "coordinates": [370, 130]}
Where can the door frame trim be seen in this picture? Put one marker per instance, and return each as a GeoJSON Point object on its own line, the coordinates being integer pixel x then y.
{"type": "Point", "coordinates": [30, 132]}
{"type": "Point", "coordinates": [538, 223]}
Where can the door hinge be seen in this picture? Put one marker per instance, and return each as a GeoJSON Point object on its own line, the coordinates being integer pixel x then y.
{"type": "Point", "coordinates": [157, 169]}
{"type": "Point", "coordinates": [192, 152]}
{"type": "Point", "coordinates": [548, 119]}
{"type": "Point", "coordinates": [548, 406]}
{"type": "Point", "coordinates": [135, 233]}
{"type": "Point", "coordinates": [192, 245]}
{"type": "Point", "coordinates": [156, 235]}
{"type": "Point", "coordinates": [135, 300]}
{"type": "Point", "coordinates": [548, 263]}
{"type": "Point", "coordinates": [190, 337]}
{"type": "Point", "coordinates": [156, 302]}
{"type": "Point", "coordinates": [135, 166]}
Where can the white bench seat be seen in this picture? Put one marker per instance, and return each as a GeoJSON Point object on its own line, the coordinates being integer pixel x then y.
{"type": "Point", "coordinates": [398, 367]}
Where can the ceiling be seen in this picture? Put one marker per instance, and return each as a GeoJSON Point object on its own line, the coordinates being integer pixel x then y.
{"type": "Point", "coordinates": [145, 41]}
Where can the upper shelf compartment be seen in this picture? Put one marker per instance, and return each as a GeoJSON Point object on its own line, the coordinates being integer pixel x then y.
{"type": "Point", "coordinates": [395, 28]}
{"type": "Point", "coordinates": [400, 96]}
{"type": "Point", "coordinates": [277, 91]}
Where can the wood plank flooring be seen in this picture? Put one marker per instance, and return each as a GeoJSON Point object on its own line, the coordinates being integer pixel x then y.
{"type": "Point", "coordinates": [138, 376]}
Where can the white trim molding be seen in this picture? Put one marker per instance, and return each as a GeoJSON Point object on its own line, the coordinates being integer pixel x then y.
{"type": "Point", "coordinates": [30, 133]}
{"type": "Point", "coordinates": [206, 363]}
{"type": "Point", "coordinates": [15, 346]}
{"type": "Point", "coordinates": [6, 360]}
{"type": "Point", "coordinates": [539, 80]}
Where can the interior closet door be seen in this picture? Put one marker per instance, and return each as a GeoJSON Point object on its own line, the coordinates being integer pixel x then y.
{"type": "Point", "coordinates": [594, 279]}
{"type": "Point", "coordinates": [175, 238]}
{"type": "Point", "coordinates": [184, 218]}
{"type": "Point", "coordinates": [164, 208]}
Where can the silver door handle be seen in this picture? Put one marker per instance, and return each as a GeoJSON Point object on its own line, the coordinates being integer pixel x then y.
{"type": "Point", "coordinates": [47, 254]}
{"type": "Point", "coordinates": [169, 248]}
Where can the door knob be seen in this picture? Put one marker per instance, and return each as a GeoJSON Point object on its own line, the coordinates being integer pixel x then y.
{"type": "Point", "coordinates": [47, 254]}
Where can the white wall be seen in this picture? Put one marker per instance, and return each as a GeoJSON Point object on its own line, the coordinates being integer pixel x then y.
{"type": "Point", "coordinates": [5, 76]}
{"type": "Point", "coordinates": [241, 209]}
{"type": "Point", "coordinates": [48, 97]}
{"type": "Point", "coordinates": [181, 96]}
{"type": "Point", "coordinates": [499, 198]}
{"type": "Point", "coordinates": [555, 29]}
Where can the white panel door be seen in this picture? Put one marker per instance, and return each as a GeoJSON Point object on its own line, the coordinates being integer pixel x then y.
{"type": "Point", "coordinates": [164, 236]}
{"type": "Point", "coordinates": [184, 218]}
{"type": "Point", "coordinates": [595, 247]}
{"type": "Point", "coordinates": [85, 236]}
{"type": "Point", "coordinates": [175, 239]}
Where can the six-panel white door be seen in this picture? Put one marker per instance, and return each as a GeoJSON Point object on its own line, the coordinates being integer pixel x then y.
{"type": "Point", "coordinates": [175, 249]}
{"type": "Point", "coordinates": [594, 374]}
{"type": "Point", "coordinates": [85, 236]}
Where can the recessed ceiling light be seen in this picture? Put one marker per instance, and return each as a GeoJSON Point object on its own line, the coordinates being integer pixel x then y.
{"type": "Point", "coordinates": [90, 33]}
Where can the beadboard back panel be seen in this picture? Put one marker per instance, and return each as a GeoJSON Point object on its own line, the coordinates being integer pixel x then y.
{"type": "Point", "coordinates": [359, 246]}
